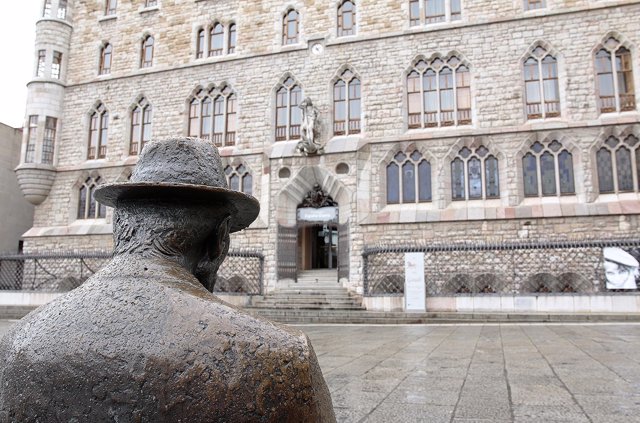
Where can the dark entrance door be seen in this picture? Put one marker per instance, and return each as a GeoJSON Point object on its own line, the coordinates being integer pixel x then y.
{"type": "Point", "coordinates": [318, 246]}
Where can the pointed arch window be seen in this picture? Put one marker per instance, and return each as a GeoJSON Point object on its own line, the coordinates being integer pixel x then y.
{"type": "Point", "coordinates": [290, 27]}
{"type": "Point", "coordinates": [239, 179]}
{"type": "Point", "coordinates": [346, 104]}
{"type": "Point", "coordinates": [88, 207]}
{"type": "Point", "coordinates": [42, 56]}
{"type": "Point", "coordinates": [408, 179]}
{"type": "Point", "coordinates": [541, 85]}
{"type": "Point", "coordinates": [346, 18]}
{"type": "Point", "coordinates": [216, 40]}
{"type": "Point", "coordinates": [439, 93]}
{"type": "Point", "coordinates": [200, 44]}
{"type": "Point", "coordinates": [213, 116]}
{"type": "Point", "coordinates": [474, 175]}
{"type": "Point", "coordinates": [288, 113]}
{"type": "Point", "coordinates": [548, 170]}
{"type": "Point", "coordinates": [618, 164]}
{"type": "Point", "coordinates": [56, 65]}
{"type": "Point", "coordinates": [233, 35]}
{"type": "Point", "coordinates": [105, 59]}
{"type": "Point", "coordinates": [146, 56]}
{"type": "Point", "coordinates": [99, 125]}
{"type": "Point", "coordinates": [616, 92]}
{"type": "Point", "coordinates": [140, 126]}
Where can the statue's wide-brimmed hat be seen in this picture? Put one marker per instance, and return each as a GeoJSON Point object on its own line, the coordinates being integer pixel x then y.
{"type": "Point", "coordinates": [187, 170]}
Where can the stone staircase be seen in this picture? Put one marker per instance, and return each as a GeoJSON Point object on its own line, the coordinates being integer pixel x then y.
{"type": "Point", "coordinates": [314, 290]}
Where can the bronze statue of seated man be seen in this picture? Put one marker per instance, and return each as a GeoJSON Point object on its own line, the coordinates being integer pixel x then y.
{"type": "Point", "coordinates": [144, 339]}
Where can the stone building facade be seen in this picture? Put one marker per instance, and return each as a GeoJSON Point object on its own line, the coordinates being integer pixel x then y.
{"type": "Point", "coordinates": [441, 120]}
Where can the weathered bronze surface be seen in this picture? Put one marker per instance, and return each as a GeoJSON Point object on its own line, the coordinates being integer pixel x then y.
{"type": "Point", "coordinates": [144, 340]}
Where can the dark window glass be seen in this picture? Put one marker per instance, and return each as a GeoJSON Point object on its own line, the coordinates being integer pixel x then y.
{"type": "Point", "coordinates": [88, 208]}
{"type": "Point", "coordinates": [565, 168]}
{"type": "Point", "coordinates": [424, 181]}
{"type": "Point", "coordinates": [605, 170]}
{"type": "Point", "coordinates": [548, 174]}
{"type": "Point", "coordinates": [624, 169]}
{"type": "Point", "coordinates": [408, 182]}
{"type": "Point", "coordinates": [110, 7]}
{"type": "Point", "coordinates": [99, 125]}
{"type": "Point", "coordinates": [290, 28]}
{"type": "Point", "coordinates": [457, 179]}
{"type": "Point", "coordinates": [475, 178]}
{"type": "Point", "coordinates": [530, 175]}
{"type": "Point", "coordinates": [393, 183]}
{"type": "Point", "coordinates": [491, 172]}
{"type": "Point", "coordinates": [200, 44]}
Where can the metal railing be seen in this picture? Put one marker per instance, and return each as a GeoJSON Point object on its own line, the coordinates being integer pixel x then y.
{"type": "Point", "coordinates": [240, 273]}
{"type": "Point", "coordinates": [494, 268]}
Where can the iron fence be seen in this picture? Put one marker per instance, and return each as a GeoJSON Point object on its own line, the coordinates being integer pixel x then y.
{"type": "Point", "coordinates": [495, 268]}
{"type": "Point", "coordinates": [240, 273]}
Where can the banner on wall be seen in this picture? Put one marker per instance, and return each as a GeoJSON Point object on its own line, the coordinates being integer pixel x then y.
{"type": "Point", "coordinates": [414, 288]}
{"type": "Point", "coordinates": [620, 268]}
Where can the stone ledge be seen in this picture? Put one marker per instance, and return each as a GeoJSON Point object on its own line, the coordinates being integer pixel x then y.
{"type": "Point", "coordinates": [35, 181]}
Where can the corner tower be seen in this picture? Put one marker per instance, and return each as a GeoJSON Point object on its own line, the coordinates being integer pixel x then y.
{"type": "Point", "coordinates": [45, 93]}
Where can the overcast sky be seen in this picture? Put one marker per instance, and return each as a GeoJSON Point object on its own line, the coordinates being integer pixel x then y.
{"type": "Point", "coordinates": [17, 37]}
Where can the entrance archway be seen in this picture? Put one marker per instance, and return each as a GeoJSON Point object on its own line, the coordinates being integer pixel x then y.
{"type": "Point", "coordinates": [317, 221]}
{"type": "Point", "coordinates": [312, 237]}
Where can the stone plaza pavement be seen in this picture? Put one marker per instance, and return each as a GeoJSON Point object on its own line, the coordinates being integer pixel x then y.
{"type": "Point", "coordinates": [479, 372]}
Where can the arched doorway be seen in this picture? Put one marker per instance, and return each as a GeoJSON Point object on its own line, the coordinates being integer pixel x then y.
{"type": "Point", "coordinates": [312, 213]}
{"type": "Point", "coordinates": [317, 221]}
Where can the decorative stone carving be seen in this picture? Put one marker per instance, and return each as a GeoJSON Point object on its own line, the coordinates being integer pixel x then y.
{"type": "Point", "coordinates": [317, 198]}
{"type": "Point", "coordinates": [308, 129]}
{"type": "Point", "coordinates": [35, 181]}
{"type": "Point", "coordinates": [144, 340]}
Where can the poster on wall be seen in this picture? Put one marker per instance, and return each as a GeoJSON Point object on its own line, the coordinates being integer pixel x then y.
{"type": "Point", "coordinates": [620, 268]}
{"type": "Point", "coordinates": [414, 288]}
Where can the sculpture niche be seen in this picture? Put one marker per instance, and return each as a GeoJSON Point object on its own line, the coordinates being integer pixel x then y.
{"type": "Point", "coordinates": [143, 340]}
{"type": "Point", "coordinates": [308, 128]}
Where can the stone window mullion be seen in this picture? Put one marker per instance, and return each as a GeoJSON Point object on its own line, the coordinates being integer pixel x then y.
{"type": "Point", "coordinates": [614, 76]}
{"type": "Point", "coordinates": [541, 88]}
{"type": "Point", "coordinates": [614, 167]}
{"type": "Point", "coordinates": [454, 80]}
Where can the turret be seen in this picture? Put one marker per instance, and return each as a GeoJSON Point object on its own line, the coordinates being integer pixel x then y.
{"type": "Point", "coordinates": [45, 96]}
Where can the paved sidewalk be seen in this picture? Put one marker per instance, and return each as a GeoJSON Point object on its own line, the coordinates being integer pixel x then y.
{"type": "Point", "coordinates": [480, 373]}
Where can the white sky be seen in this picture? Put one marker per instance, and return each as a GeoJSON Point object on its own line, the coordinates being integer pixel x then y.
{"type": "Point", "coordinates": [17, 38]}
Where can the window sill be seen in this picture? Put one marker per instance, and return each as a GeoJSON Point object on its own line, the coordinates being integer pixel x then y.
{"type": "Point", "coordinates": [149, 9]}
{"type": "Point", "coordinates": [108, 18]}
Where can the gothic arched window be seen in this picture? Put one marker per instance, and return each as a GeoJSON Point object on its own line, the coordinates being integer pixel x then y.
{"type": "Point", "coordinates": [439, 93]}
{"type": "Point", "coordinates": [346, 18]}
{"type": "Point", "coordinates": [239, 179]}
{"type": "Point", "coordinates": [146, 55]}
{"type": "Point", "coordinates": [290, 29]}
{"type": "Point", "coordinates": [88, 207]}
{"type": "Point", "coordinates": [216, 39]}
{"type": "Point", "coordinates": [105, 59]}
{"type": "Point", "coordinates": [474, 175]}
{"type": "Point", "coordinates": [98, 128]}
{"type": "Point", "coordinates": [408, 179]}
{"type": "Point", "coordinates": [346, 104]}
{"type": "Point", "coordinates": [288, 114]}
{"type": "Point", "coordinates": [548, 170]}
{"type": "Point", "coordinates": [541, 85]}
{"type": "Point", "coordinates": [212, 116]}
{"type": "Point", "coordinates": [140, 126]}
{"type": "Point", "coordinates": [618, 163]}
{"type": "Point", "coordinates": [200, 44]}
{"type": "Point", "coordinates": [233, 34]}
{"type": "Point", "coordinates": [615, 78]}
